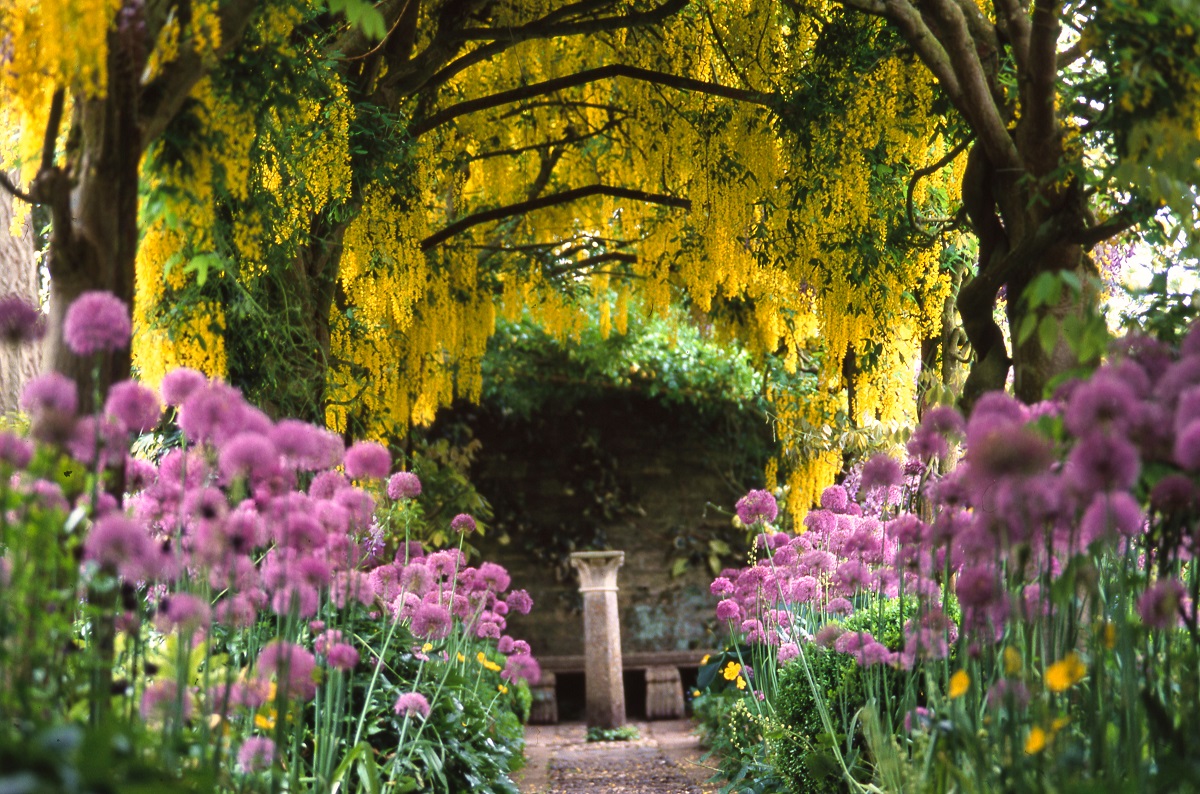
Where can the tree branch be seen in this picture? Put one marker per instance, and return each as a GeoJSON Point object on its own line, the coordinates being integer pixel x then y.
{"type": "Point", "coordinates": [8, 185]}
{"type": "Point", "coordinates": [1013, 19]}
{"type": "Point", "coordinates": [921, 173]}
{"type": "Point", "coordinates": [560, 142]}
{"type": "Point", "coordinates": [554, 199]}
{"type": "Point", "coordinates": [591, 261]}
{"type": "Point", "coordinates": [1039, 91]}
{"type": "Point", "coordinates": [582, 78]}
{"type": "Point", "coordinates": [162, 98]}
{"type": "Point", "coordinates": [50, 141]}
{"type": "Point", "coordinates": [1121, 221]}
{"type": "Point", "coordinates": [979, 105]}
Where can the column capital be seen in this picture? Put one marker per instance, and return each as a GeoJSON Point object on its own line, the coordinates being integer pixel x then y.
{"type": "Point", "coordinates": [597, 570]}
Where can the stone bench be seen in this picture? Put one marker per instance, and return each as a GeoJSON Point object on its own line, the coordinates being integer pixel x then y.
{"type": "Point", "coordinates": [664, 687]}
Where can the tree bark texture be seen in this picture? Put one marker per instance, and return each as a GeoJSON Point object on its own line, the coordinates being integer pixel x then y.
{"type": "Point", "coordinates": [18, 276]}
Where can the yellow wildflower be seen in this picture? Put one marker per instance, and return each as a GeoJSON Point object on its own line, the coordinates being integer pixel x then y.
{"type": "Point", "coordinates": [264, 722]}
{"type": "Point", "coordinates": [461, 658]}
{"type": "Point", "coordinates": [1012, 661]}
{"type": "Point", "coordinates": [732, 671]}
{"type": "Point", "coordinates": [481, 657]}
{"type": "Point", "coordinates": [502, 688]}
{"type": "Point", "coordinates": [1035, 742]}
{"type": "Point", "coordinates": [427, 647]}
{"type": "Point", "coordinates": [960, 682]}
{"type": "Point", "coordinates": [741, 682]}
{"type": "Point", "coordinates": [1059, 724]}
{"type": "Point", "coordinates": [705, 659]}
{"type": "Point", "coordinates": [1108, 634]}
{"type": "Point", "coordinates": [1065, 673]}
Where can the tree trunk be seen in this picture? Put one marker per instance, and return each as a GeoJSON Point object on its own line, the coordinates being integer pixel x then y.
{"type": "Point", "coordinates": [94, 239]}
{"type": "Point", "coordinates": [19, 276]}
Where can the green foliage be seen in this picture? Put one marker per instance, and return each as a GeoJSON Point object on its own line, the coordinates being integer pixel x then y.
{"type": "Point", "coordinates": [625, 733]}
{"type": "Point", "coordinates": [801, 750]}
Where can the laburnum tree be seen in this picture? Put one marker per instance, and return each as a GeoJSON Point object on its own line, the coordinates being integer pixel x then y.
{"type": "Point", "coordinates": [330, 205]}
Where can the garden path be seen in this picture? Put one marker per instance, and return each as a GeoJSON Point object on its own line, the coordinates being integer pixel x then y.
{"type": "Point", "coordinates": [665, 760]}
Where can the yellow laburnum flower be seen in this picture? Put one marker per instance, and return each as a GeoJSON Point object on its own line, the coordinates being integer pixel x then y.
{"type": "Point", "coordinates": [960, 682]}
{"type": "Point", "coordinates": [732, 671]}
{"type": "Point", "coordinates": [1065, 673]}
{"type": "Point", "coordinates": [1035, 742]}
{"type": "Point", "coordinates": [741, 682]}
{"type": "Point", "coordinates": [1012, 661]}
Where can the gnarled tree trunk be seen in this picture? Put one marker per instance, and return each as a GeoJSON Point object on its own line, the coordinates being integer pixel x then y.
{"type": "Point", "coordinates": [18, 276]}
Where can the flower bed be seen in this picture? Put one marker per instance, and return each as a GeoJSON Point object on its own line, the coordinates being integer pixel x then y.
{"type": "Point", "coordinates": [1025, 622]}
{"type": "Point", "coordinates": [248, 612]}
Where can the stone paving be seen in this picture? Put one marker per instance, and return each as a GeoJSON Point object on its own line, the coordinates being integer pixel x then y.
{"type": "Point", "coordinates": [665, 760]}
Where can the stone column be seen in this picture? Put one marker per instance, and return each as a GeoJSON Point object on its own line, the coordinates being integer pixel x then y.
{"type": "Point", "coordinates": [603, 670]}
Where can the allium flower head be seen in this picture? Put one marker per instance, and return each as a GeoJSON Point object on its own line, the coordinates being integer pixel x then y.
{"type": "Point", "coordinates": [881, 471]}
{"type": "Point", "coordinates": [326, 484]}
{"type": "Point", "coordinates": [367, 460]}
{"type": "Point", "coordinates": [412, 704]}
{"type": "Point", "coordinates": [211, 413]}
{"type": "Point", "coordinates": [50, 392]}
{"type": "Point", "coordinates": [161, 699]}
{"type": "Point", "coordinates": [1187, 446]}
{"type": "Point", "coordinates": [1160, 604]}
{"type": "Point", "coordinates": [494, 577]}
{"type": "Point", "coordinates": [15, 451]}
{"type": "Point", "coordinates": [256, 754]}
{"type": "Point", "coordinates": [342, 656]}
{"type": "Point", "coordinates": [1103, 402]}
{"type": "Point", "coordinates": [20, 321]}
{"type": "Point", "coordinates": [835, 499]}
{"type": "Point", "coordinates": [403, 485]}
{"type": "Point", "coordinates": [757, 505]}
{"type": "Point", "coordinates": [1110, 513]}
{"type": "Point", "coordinates": [463, 524]}
{"type": "Point", "coordinates": [97, 322]}
{"type": "Point", "coordinates": [134, 406]}
{"type": "Point", "coordinates": [292, 666]}
{"type": "Point", "coordinates": [519, 601]}
{"type": "Point", "coordinates": [728, 610]}
{"type": "Point", "coordinates": [178, 384]}
{"type": "Point", "coordinates": [184, 612]}
{"type": "Point", "coordinates": [119, 544]}
{"type": "Point", "coordinates": [431, 622]}
{"type": "Point", "coordinates": [1103, 462]}
{"type": "Point", "coordinates": [248, 455]}
{"type": "Point", "coordinates": [522, 665]}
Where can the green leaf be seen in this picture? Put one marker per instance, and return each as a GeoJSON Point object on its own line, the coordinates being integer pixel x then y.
{"type": "Point", "coordinates": [679, 567]}
{"type": "Point", "coordinates": [1027, 327]}
{"type": "Point", "coordinates": [719, 546]}
{"type": "Point", "coordinates": [1048, 333]}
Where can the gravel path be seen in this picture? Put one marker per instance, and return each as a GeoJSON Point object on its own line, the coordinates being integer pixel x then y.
{"type": "Point", "coordinates": [665, 760]}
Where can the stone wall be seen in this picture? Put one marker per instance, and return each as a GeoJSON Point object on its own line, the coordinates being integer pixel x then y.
{"type": "Point", "coordinates": [625, 473]}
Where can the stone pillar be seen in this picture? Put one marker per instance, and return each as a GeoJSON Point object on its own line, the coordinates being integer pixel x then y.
{"type": "Point", "coordinates": [603, 671]}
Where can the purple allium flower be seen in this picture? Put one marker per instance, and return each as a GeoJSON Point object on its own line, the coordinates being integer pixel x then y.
{"type": "Point", "coordinates": [431, 622]}
{"type": "Point", "coordinates": [248, 455]}
{"type": "Point", "coordinates": [326, 484]}
{"type": "Point", "coordinates": [359, 504]}
{"type": "Point", "coordinates": [256, 754]}
{"type": "Point", "coordinates": [118, 544]}
{"type": "Point", "coordinates": [20, 321]}
{"type": "Point", "coordinates": [1102, 462]}
{"type": "Point", "coordinates": [1006, 450]}
{"type": "Point", "coordinates": [787, 652]}
{"type": "Point", "coordinates": [977, 586]}
{"type": "Point", "coordinates": [15, 451]}
{"type": "Point", "coordinates": [874, 653]}
{"type": "Point", "coordinates": [1008, 693]}
{"type": "Point", "coordinates": [292, 666]}
{"type": "Point", "coordinates": [881, 471]}
{"type": "Point", "coordinates": [522, 665]}
{"type": "Point", "coordinates": [820, 522]}
{"type": "Point", "coordinates": [840, 606]}
{"type": "Point", "coordinates": [134, 406]}
{"type": "Point", "coordinates": [757, 505]}
{"type": "Point", "coordinates": [944, 420]}
{"type": "Point", "coordinates": [342, 656]}
{"type": "Point", "coordinates": [161, 698]}
{"type": "Point", "coordinates": [494, 577]}
{"type": "Point", "coordinates": [50, 392]}
{"type": "Point", "coordinates": [237, 612]}
{"type": "Point", "coordinates": [210, 413]}
{"type": "Point", "coordinates": [184, 612]}
{"type": "Point", "coordinates": [728, 609]}
{"type": "Point", "coordinates": [463, 524]}
{"type": "Point", "coordinates": [301, 444]}
{"type": "Point", "coordinates": [416, 578]}
{"type": "Point", "coordinates": [1103, 402]}
{"type": "Point", "coordinates": [178, 384]}
{"type": "Point", "coordinates": [519, 601]}
{"type": "Point", "coordinates": [297, 597]}
{"type": "Point", "coordinates": [1108, 513]}
{"type": "Point", "coordinates": [367, 460]}
{"type": "Point", "coordinates": [1173, 493]}
{"type": "Point", "coordinates": [853, 642]}
{"type": "Point", "coordinates": [921, 717]}
{"type": "Point", "coordinates": [97, 322]}
{"type": "Point", "coordinates": [1187, 446]}
{"type": "Point", "coordinates": [1160, 605]}
{"type": "Point", "coordinates": [403, 485]}
{"type": "Point", "coordinates": [925, 445]}
{"type": "Point", "coordinates": [828, 635]}
{"type": "Point", "coordinates": [505, 644]}
{"type": "Point", "coordinates": [412, 704]}
{"type": "Point", "coordinates": [994, 410]}
{"type": "Point", "coordinates": [835, 499]}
